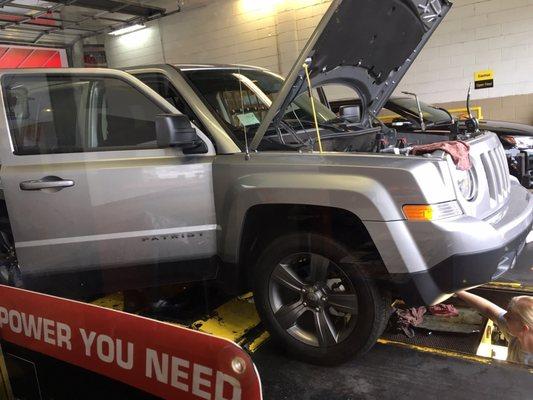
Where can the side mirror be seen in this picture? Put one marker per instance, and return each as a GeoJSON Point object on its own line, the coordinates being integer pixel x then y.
{"type": "Point", "coordinates": [351, 113]}
{"type": "Point", "coordinates": [175, 130]}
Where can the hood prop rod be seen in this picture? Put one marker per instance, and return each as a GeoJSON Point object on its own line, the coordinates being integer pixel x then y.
{"type": "Point", "coordinates": [310, 88]}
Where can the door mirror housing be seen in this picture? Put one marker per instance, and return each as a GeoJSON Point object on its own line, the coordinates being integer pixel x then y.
{"type": "Point", "coordinates": [176, 130]}
{"type": "Point", "coordinates": [351, 113]}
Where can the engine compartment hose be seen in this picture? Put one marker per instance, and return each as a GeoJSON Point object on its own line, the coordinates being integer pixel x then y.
{"type": "Point", "coordinates": [319, 140]}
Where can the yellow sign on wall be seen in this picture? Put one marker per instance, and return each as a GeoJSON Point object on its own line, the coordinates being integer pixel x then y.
{"type": "Point", "coordinates": [484, 79]}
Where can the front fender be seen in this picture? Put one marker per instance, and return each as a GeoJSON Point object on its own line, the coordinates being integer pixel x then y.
{"type": "Point", "coordinates": [364, 197]}
{"type": "Point", "coordinates": [368, 187]}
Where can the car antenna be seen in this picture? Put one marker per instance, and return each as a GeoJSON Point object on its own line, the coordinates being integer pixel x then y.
{"type": "Point", "coordinates": [472, 123]}
{"type": "Point", "coordinates": [246, 146]}
{"type": "Point", "coordinates": [469, 110]}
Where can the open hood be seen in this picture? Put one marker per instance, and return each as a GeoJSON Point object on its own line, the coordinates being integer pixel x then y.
{"type": "Point", "coordinates": [367, 44]}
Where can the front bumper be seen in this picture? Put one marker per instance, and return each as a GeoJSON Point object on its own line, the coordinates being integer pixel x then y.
{"type": "Point", "coordinates": [458, 272]}
{"type": "Point", "coordinates": [428, 262]}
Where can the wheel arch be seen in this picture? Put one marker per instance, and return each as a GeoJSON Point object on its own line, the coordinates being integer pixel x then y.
{"type": "Point", "coordinates": [264, 222]}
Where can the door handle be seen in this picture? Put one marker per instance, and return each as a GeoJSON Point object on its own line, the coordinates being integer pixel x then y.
{"type": "Point", "coordinates": [53, 183]}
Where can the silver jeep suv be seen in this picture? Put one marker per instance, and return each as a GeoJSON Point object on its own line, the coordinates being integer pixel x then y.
{"type": "Point", "coordinates": [107, 185]}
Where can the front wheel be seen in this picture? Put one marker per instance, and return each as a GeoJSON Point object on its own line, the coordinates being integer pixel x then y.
{"type": "Point", "coordinates": [314, 298]}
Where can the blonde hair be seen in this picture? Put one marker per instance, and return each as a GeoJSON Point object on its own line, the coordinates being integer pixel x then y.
{"type": "Point", "coordinates": [523, 307]}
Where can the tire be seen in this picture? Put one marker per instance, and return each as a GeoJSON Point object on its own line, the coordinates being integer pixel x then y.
{"type": "Point", "coordinates": [345, 309]}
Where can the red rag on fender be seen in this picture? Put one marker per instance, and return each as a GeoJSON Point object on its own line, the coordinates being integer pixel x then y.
{"type": "Point", "coordinates": [458, 150]}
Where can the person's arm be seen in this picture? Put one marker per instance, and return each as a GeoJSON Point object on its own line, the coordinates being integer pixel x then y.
{"type": "Point", "coordinates": [485, 307]}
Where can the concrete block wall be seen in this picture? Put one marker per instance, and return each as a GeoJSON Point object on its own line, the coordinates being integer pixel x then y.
{"type": "Point", "coordinates": [141, 47]}
{"type": "Point", "coordinates": [224, 31]}
{"type": "Point", "coordinates": [517, 108]}
{"type": "Point", "coordinates": [476, 35]}
{"type": "Point", "coordinates": [221, 33]}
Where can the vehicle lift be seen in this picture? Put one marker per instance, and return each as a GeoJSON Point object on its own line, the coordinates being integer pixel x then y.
{"type": "Point", "coordinates": [237, 320]}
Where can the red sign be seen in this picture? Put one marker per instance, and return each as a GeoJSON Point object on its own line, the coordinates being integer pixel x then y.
{"type": "Point", "coordinates": [165, 360]}
{"type": "Point", "coordinates": [32, 57]}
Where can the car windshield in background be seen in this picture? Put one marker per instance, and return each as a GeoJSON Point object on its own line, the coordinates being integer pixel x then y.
{"type": "Point", "coordinates": [407, 107]}
{"type": "Point", "coordinates": [242, 97]}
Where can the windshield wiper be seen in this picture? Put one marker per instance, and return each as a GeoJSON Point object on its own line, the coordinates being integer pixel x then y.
{"type": "Point", "coordinates": [324, 125]}
{"type": "Point", "coordinates": [447, 121]}
{"type": "Point", "coordinates": [337, 120]}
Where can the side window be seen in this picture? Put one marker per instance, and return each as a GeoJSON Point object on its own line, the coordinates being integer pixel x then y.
{"type": "Point", "coordinates": [161, 84]}
{"type": "Point", "coordinates": [65, 114]}
{"type": "Point", "coordinates": [126, 117]}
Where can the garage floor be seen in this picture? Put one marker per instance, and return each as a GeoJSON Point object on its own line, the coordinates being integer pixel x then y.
{"type": "Point", "coordinates": [396, 371]}
{"type": "Point", "coordinates": [390, 372]}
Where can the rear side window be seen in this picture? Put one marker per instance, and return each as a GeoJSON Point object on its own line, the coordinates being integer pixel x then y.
{"type": "Point", "coordinates": [66, 114]}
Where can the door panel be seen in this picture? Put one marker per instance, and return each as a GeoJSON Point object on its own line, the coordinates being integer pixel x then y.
{"type": "Point", "coordinates": [126, 207]}
{"type": "Point", "coordinates": [119, 212]}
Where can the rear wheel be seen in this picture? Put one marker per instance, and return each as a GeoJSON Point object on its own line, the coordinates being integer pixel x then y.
{"type": "Point", "coordinates": [314, 298]}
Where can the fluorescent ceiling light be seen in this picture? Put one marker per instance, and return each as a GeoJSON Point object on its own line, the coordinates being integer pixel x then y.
{"type": "Point", "coordinates": [127, 29]}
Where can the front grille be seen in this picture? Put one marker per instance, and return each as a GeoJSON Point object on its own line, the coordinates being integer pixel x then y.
{"type": "Point", "coordinates": [497, 172]}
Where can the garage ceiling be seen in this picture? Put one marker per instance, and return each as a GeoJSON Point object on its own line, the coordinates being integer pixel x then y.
{"type": "Point", "coordinates": [63, 22]}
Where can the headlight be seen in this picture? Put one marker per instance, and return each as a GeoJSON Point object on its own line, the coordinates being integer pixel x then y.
{"type": "Point", "coordinates": [466, 183]}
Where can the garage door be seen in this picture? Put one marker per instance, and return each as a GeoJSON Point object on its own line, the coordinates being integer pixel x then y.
{"type": "Point", "coordinates": [32, 57]}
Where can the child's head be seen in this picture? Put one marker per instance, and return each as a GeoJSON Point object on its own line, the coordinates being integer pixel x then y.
{"type": "Point", "coordinates": [519, 316]}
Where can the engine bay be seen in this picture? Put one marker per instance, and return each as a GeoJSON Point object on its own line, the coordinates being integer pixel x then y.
{"type": "Point", "coordinates": [344, 137]}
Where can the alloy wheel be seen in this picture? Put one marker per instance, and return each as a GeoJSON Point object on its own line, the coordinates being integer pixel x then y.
{"type": "Point", "coordinates": [313, 299]}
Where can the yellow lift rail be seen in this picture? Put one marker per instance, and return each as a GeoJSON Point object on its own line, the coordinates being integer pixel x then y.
{"type": "Point", "coordinates": [238, 321]}
{"type": "Point", "coordinates": [509, 286]}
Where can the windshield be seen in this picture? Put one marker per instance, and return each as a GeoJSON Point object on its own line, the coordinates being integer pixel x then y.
{"type": "Point", "coordinates": [242, 97]}
{"type": "Point", "coordinates": [407, 108]}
